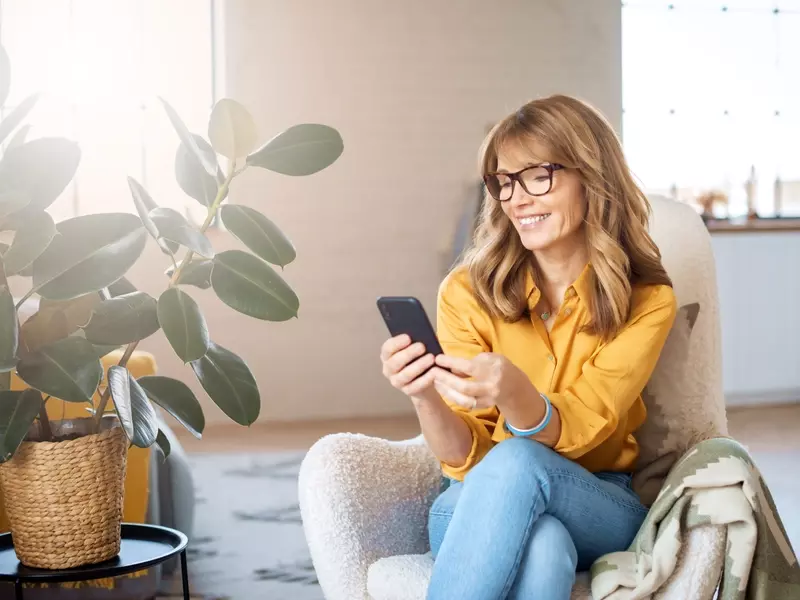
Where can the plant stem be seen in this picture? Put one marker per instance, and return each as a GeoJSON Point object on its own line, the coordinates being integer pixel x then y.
{"type": "Point", "coordinates": [98, 415]}
{"type": "Point", "coordinates": [44, 422]}
{"type": "Point", "coordinates": [30, 293]}
{"type": "Point", "coordinates": [212, 211]}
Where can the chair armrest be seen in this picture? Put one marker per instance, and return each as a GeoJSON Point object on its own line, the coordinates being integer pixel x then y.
{"type": "Point", "coordinates": [361, 499]}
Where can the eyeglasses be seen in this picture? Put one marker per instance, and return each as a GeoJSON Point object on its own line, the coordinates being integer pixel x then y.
{"type": "Point", "coordinates": [536, 180]}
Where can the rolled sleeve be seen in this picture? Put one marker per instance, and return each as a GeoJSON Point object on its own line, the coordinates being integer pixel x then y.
{"type": "Point", "coordinates": [481, 441]}
{"type": "Point", "coordinates": [614, 378]}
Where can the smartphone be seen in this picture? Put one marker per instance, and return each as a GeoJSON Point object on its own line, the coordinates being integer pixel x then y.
{"type": "Point", "coordinates": [405, 314]}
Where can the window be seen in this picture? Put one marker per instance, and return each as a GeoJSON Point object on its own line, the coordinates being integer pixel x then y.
{"type": "Point", "coordinates": [711, 100]}
{"type": "Point", "coordinates": [101, 66]}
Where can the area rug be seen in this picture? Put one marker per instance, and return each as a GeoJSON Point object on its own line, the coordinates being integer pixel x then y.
{"type": "Point", "coordinates": [248, 539]}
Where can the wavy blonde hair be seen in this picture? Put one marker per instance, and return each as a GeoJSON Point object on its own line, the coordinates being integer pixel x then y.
{"type": "Point", "coordinates": [621, 251]}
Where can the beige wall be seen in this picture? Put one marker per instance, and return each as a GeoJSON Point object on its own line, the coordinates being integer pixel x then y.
{"type": "Point", "coordinates": [411, 86]}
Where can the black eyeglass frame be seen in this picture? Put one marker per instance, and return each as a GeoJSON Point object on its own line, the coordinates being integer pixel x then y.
{"type": "Point", "coordinates": [517, 178]}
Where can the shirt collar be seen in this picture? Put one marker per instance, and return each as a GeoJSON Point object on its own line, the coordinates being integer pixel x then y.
{"type": "Point", "coordinates": [582, 286]}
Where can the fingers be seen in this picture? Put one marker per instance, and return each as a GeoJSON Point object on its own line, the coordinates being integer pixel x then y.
{"type": "Point", "coordinates": [455, 363]}
{"type": "Point", "coordinates": [401, 359]}
{"type": "Point", "coordinates": [393, 345]}
{"type": "Point", "coordinates": [419, 386]}
{"type": "Point", "coordinates": [468, 387]}
{"type": "Point", "coordinates": [408, 374]}
{"type": "Point", "coordinates": [455, 396]}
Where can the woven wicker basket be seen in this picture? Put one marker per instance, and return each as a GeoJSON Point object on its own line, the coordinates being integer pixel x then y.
{"type": "Point", "coordinates": [64, 499]}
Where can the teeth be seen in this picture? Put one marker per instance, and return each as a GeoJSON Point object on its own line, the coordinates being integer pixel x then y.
{"type": "Point", "coordinates": [532, 220]}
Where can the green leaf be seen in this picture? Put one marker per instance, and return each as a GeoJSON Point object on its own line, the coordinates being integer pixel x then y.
{"type": "Point", "coordinates": [173, 226]}
{"type": "Point", "coordinates": [11, 202]}
{"type": "Point", "coordinates": [55, 320]}
{"type": "Point", "coordinates": [30, 241]}
{"type": "Point", "coordinates": [121, 287]}
{"type": "Point", "coordinates": [229, 383]}
{"type": "Point", "coordinates": [41, 169]}
{"type": "Point", "coordinates": [258, 233]}
{"type": "Point", "coordinates": [163, 444]}
{"type": "Point", "coordinates": [90, 253]}
{"type": "Point", "coordinates": [9, 326]}
{"type": "Point", "coordinates": [300, 150]}
{"type": "Point", "coordinates": [137, 415]}
{"type": "Point", "coordinates": [5, 75]}
{"type": "Point", "coordinates": [123, 320]}
{"type": "Point", "coordinates": [249, 285]}
{"type": "Point", "coordinates": [144, 204]}
{"type": "Point", "coordinates": [67, 369]}
{"type": "Point", "coordinates": [16, 116]}
{"type": "Point", "coordinates": [18, 410]}
{"type": "Point", "coordinates": [231, 129]}
{"type": "Point", "coordinates": [188, 141]}
{"type": "Point", "coordinates": [177, 399]}
{"type": "Point", "coordinates": [183, 324]}
{"type": "Point", "coordinates": [192, 177]}
{"type": "Point", "coordinates": [19, 137]}
{"type": "Point", "coordinates": [196, 273]}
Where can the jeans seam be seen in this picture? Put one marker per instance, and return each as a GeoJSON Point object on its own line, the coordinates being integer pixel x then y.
{"type": "Point", "coordinates": [622, 502]}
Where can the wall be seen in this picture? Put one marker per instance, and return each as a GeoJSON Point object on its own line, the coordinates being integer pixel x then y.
{"type": "Point", "coordinates": [411, 86]}
{"type": "Point", "coordinates": [759, 291]}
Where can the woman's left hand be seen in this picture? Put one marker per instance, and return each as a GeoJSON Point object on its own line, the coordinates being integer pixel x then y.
{"type": "Point", "coordinates": [487, 380]}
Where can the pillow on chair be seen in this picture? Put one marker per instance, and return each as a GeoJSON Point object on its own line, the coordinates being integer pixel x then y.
{"type": "Point", "coordinates": [676, 415]}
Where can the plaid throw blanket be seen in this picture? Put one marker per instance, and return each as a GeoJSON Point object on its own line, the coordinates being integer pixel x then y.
{"type": "Point", "coordinates": [715, 483]}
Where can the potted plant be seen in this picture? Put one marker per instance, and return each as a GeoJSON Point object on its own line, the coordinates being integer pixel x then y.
{"type": "Point", "coordinates": [62, 481]}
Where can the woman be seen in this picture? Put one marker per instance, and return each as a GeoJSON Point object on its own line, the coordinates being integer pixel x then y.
{"type": "Point", "coordinates": [551, 328]}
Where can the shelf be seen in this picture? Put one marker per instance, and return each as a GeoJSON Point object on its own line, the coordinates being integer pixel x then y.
{"type": "Point", "coordinates": [755, 225]}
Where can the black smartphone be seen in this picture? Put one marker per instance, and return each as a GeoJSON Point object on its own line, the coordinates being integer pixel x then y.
{"type": "Point", "coordinates": [405, 314]}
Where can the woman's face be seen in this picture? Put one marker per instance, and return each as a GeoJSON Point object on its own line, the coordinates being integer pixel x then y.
{"type": "Point", "coordinates": [544, 222]}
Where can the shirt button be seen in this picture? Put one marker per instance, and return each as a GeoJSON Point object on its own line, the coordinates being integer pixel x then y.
{"type": "Point", "coordinates": [550, 357]}
{"type": "Point", "coordinates": [568, 312]}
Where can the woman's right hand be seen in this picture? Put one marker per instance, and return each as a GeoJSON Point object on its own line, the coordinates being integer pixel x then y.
{"type": "Point", "coordinates": [404, 364]}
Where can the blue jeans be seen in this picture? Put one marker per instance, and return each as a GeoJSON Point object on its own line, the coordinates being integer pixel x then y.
{"type": "Point", "coordinates": [524, 520]}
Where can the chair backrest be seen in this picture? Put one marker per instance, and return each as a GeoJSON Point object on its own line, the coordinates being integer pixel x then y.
{"type": "Point", "coordinates": [684, 396]}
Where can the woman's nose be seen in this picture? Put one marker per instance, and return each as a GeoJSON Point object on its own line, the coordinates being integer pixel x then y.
{"type": "Point", "coordinates": [519, 197]}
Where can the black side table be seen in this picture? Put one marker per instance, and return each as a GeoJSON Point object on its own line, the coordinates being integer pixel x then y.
{"type": "Point", "coordinates": [142, 546]}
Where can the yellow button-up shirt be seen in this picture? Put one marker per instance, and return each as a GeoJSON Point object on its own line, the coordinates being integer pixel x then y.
{"type": "Point", "coordinates": [596, 386]}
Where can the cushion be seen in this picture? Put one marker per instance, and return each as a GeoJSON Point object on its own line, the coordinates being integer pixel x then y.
{"type": "Point", "coordinates": [665, 434]}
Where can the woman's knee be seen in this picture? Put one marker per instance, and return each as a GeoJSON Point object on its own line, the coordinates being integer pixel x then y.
{"type": "Point", "coordinates": [516, 453]}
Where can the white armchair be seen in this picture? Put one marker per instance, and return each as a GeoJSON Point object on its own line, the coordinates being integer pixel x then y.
{"type": "Point", "coordinates": [364, 501]}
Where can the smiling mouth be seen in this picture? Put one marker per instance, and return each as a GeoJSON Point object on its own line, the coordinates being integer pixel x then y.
{"type": "Point", "coordinates": [531, 221]}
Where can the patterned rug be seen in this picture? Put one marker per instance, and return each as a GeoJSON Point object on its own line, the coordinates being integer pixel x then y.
{"type": "Point", "coordinates": [248, 540]}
